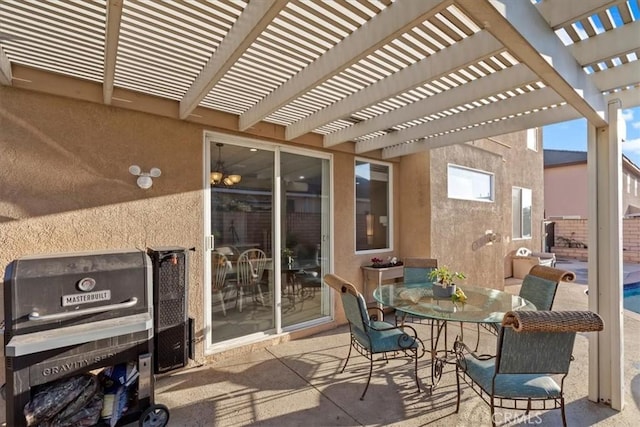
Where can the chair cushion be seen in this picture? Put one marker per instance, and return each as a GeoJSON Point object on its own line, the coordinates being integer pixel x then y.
{"type": "Point", "coordinates": [389, 340]}
{"type": "Point", "coordinates": [511, 385]}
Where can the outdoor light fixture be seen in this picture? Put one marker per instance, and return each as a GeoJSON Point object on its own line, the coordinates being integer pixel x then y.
{"type": "Point", "coordinates": [145, 179]}
{"type": "Point", "coordinates": [218, 174]}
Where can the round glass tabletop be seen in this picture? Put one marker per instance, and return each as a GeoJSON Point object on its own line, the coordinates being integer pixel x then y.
{"type": "Point", "coordinates": [481, 306]}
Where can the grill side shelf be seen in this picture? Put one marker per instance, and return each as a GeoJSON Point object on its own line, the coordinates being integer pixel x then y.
{"type": "Point", "coordinates": [21, 345]}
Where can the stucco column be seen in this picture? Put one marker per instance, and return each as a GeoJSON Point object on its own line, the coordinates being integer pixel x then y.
{"type": "Point", "coordinates": [606, 349]}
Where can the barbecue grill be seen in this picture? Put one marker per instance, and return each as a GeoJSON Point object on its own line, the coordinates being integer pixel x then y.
{"type": "Point", "coordinates": [73, 313]}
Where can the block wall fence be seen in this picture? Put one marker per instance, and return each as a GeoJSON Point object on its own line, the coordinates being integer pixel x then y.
{"type": "Point", "coordinates": [577, 231]}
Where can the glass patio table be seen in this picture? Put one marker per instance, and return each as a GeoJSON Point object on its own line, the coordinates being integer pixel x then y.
{"type": "Point", "coordinates": [481, 306]}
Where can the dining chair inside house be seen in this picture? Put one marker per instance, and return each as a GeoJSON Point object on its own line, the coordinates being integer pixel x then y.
{"type": "Point", "coordinates": [415, 273]}
{"type": "Point", "coordinates": [250, 269]}
{"type": "Point", "coordinates": [374, 337]}
{"type": "Point", "coordinates": [220, 268]}
{"type": "Point", "coordinates": [532, 357]}
{"type": "Point", "coordinates": [539, 287]}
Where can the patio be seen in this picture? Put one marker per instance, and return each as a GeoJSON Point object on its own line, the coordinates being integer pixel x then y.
{"type": "Point", "coordinates": [298, 383]}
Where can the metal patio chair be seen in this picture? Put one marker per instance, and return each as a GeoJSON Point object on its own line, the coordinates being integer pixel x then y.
{"type": "Point", "coordinates": [371, 337]}
{"type": "Point", "coordinates": [532, 360]}
{"type": "Point", "coordinates": [416, 272]}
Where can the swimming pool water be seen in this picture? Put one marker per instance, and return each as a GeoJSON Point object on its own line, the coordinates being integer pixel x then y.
{"type": "Point", "coordinates": [631, 297]}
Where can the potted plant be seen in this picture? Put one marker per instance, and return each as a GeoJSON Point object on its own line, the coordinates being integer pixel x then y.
{"type": "Point", "coordinates": [443, 280]}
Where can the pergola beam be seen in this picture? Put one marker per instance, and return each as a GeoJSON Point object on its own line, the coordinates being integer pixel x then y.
{"type": "Point", "coordinates": [396, 19]}
{"type": "Point", "coordinates": [250, 24]}
{"type": "Point", "coordinates": [495, 111]}
{"type": "Point", "coordinates": [114, 16]}
{"type": "Point", "coordinates": [624, 39]}
{"type": "Point", "coordinates": [441, 63]}
{"type": "Point", "coordinates": [561, 13]}
{"type": "Point", "coordinates": [617, 77]}
{"type": "Point", "coordinates": [493, 84]}
{"type": "Point", "coordinates": [525, 121]}
{"type": "Point", "coordinates": [522, 30]}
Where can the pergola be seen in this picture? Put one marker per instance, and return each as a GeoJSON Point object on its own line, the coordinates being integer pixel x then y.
{"type": "Point", "coordinates": [398, 76]}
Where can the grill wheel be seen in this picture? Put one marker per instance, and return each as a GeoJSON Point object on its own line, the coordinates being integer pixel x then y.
{"type": "Point", "coordinates": [155, 416]}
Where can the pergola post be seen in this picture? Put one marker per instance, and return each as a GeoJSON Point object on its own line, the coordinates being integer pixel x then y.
{"type": "Point", "coordinates": [606, 349]}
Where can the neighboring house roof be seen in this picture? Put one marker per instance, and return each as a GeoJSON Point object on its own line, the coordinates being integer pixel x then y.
{"type": "Point", "coordinates": [557, 158]}
{"type": "Point", "coordinates": [563, 158]}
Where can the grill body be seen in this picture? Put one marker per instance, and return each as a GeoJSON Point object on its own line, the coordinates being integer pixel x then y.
{"type": "Point", "coordinates": [71, 313]}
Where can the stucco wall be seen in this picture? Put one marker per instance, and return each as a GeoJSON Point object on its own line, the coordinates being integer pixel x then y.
{"type": "Point", "coordinates": [565, 191]}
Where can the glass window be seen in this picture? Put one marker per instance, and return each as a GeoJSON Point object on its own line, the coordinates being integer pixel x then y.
{"type": "Point", "coordinates": [469, 184]}
{"type": "Point", "coordinates": [532, 139]}
{"type": "Point", "coordinates": [521, 204]}
{"type": "Point", "coordinates": [373, 192]}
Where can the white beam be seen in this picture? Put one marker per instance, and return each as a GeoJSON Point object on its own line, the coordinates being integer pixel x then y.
{"type": "Point", "coordinates": [249, 25]}
{"type": "Point", "coordinates": [606, 350]}
{"type": "Point", "coordinates": [616, 42]}
{"type": "Point", "coordinates": [396, 19]}
{"type": "Point", "coordinates": [508, 107]}
{"type": "Point", "coordinates": [114, 16]}
{"type": "Point", "coordinates": [617, 77]}
{"type": "Point", "coordinates": [5, 69]}
{"type": "Point", "coordinates": [493, 84]}
{"type": "Point", "coordinates": [564, 12]}
{"type": "Point", "coordinates": [540, 118]}
{"type": "Point", "coordinates": [523, 31]}
{"type": "Point", "coordinates": [629, 98]}
{"type": "Point", "coordinates": [440, 63]}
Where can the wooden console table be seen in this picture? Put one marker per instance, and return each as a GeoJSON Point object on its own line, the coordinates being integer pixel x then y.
{"type": "Point", "coordinates": [373, 278]}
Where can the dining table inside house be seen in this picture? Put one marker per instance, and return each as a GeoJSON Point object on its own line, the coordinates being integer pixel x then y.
{"type": "Point", "coordinates": [481, 305]}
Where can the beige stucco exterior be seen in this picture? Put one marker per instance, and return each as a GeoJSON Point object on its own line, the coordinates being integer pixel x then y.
{"type": "Point", "coordinates": [65, 187]}
{"type": "Point", "coordinates": [566, 192]}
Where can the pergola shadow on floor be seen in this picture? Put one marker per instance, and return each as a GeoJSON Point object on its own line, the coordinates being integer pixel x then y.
{"type": "Point", "coordinates": [299, 383]}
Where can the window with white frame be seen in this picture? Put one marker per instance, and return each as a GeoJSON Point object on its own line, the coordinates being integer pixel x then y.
{"type": "Point", "coordinates": [628, 184]}
{"type": "Point", "coordinates": [532, 139]}
{"type": "Point", "coordinates": [522, 203]}
{"type": "Point", "coordinates": [373, 195]}
{"type": "Point", "coordinates": [469, 184]}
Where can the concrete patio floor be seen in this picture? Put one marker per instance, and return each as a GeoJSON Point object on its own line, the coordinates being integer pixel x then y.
{"type": "Point", "coordinates": [299, 383]}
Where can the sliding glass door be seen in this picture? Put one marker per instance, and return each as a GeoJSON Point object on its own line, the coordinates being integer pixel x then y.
{"type": "Point", "coordinates": [269, 228]}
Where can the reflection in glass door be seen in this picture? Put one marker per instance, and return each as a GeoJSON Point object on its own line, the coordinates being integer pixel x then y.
{"type": "Point", "coordinates": [271, 241]}
{"type": "Point", "coordinates": [242, 226]}
{"type": "Point", "coordinates": [304, 237]}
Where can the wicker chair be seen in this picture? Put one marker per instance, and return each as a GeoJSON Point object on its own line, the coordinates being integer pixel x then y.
{"type": "Point", "coordinates": [416, 272]}
{"type": "Point", "coordinates": [370, 337]}
{"type": "Point", "coordinates": [533, 352]}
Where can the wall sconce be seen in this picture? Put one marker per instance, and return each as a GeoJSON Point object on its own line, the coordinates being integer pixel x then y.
{"type": "Point", "coordinates": [145, 179]}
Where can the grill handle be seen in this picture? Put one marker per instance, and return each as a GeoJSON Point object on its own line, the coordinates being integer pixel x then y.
{"type": "Point", "coordinates": [34, 315]}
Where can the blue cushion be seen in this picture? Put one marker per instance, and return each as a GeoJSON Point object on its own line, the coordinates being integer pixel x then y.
{"type": "Point", "coordinates": [511, 385]}
{"type": "Point", "coordinates": [538, 291]}
{"type": "Point", "coordinates": [386, 340]}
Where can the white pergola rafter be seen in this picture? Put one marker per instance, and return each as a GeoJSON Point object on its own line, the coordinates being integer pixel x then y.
{"type": "Point", "coordinates": [384, 27]}
{"type": "Point", "coordinates": [561, 13]}
{"type": "Point", "coordinates": [430, 68]}
{"type": "Point", "coordinates": [251, 23]}
{"type": "Point", "coordinates": [497, 82]}
{"type": "Point", "coordinates": [530, 120]}
{"type": "Point", "coordinates": [523, 31]}
{"type": "Point", "coordinates": [114, 17]}
{"type": "Point", "coordinates": [504, 108]}
{"type": "Point", "coordinates": [615, 42]}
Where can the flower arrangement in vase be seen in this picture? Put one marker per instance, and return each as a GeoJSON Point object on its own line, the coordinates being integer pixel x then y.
{"type": "Point", "coordinates": [380, 263]}
{"type": "Point", "coordinates": [443, 280]}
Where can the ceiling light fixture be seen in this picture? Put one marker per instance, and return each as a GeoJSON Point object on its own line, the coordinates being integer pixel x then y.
{"type": "Point", "coordinates": [218, 175]}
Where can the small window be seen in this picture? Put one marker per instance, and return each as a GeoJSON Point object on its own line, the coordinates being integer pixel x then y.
{"type": "Point", "coordinates": [373, 193]}
{"type": "Point", "coordinates": [532, 139]}
{"type": "Point", "coordinates": [522, 202]}
{"type": "Point", "coordinates": [628, 184]}
{"type": "Point", "coordinates": [469, 184]}
{"type": "Point", "coordinates": [635, 187]}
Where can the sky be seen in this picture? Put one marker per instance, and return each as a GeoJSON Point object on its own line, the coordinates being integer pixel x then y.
{"type": "Point", "coordinates": [572, 135]}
